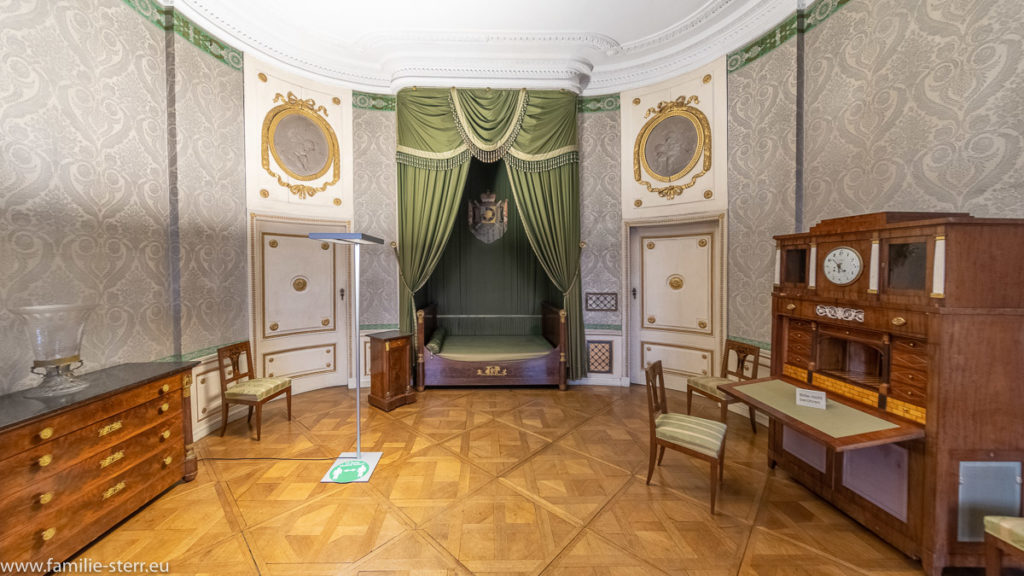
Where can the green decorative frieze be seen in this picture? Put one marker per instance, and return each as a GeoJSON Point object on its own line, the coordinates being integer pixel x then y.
{"type": "Point", "coordinates": [606, 103]}
{"type": "Point", "coordinates": [378, 102]}
{"type": "Point", "coordinates": [365, 327]}
{"type": "Point", "coordinates": [158, 15]}
{"type": "Point", "coordinates": [203, 40]}
{"type": "Point", "coordinates": [818, 12]}
{"type": "Point", "coordinates": [773, 39]}
{"type": "Point", "coordinates": [798, 23]}
{"type": "Point", "coordinates": [154, 12]}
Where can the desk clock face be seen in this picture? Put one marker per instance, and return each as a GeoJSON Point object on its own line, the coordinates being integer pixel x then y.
{"type": "Point", "coordinates": [842, 266]}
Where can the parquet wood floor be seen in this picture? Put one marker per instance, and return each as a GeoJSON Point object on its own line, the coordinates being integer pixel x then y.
{"type": "Point", "coordinates": [475, 481]}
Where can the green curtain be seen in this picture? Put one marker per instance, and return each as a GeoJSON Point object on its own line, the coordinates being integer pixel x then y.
{"type": "Point", "coordinates": [439, 130]}
{"type": "Point", "coordinates": [428, 202]}
{"type": "Point", "coordinates": [548, 202]}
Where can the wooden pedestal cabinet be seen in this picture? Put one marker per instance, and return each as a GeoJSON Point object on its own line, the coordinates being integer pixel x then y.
{"type": "Point", "coordinates": [920, 316]}
{"type": "Point", "coordinates": [71, 467]}
{"type": "Point", "coordinates": [390, 373]}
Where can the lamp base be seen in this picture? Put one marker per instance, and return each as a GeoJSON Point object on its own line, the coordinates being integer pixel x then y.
{"type": "Point", "coordinates": [348, 468]}
{"type": "Point", "coordinates": [57, 381]}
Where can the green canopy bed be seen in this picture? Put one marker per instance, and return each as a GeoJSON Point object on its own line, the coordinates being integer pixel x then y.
{"type": "Point", "coordinates": [489, 227]}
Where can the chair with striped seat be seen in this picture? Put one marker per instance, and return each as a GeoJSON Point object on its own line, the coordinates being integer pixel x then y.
{"type": "Point", "coordinates": [698, 437]}
{"type": "Point", "coordinates": [1004, 535]}
{"type": "Point", "coordinates": [707, 386]}
{"type": "Point", "coordinates": [254, 392]}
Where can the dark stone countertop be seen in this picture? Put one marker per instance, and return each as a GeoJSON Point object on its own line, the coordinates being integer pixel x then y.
{"type": "Point", "coordinates": [15, 408]}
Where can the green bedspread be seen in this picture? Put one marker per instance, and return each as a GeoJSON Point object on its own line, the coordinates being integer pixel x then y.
{"type": "Point", "coordinates": [494, 348]}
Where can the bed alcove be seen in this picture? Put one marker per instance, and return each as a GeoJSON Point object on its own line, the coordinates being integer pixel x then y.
{"type": "Point", "coordinates": [489, 310]}
{"type": "Point", "coordinates": [487, 295]}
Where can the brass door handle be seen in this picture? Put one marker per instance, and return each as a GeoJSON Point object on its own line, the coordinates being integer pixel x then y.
{"type": "Point", "coordinates": [651, 319]}
{"type": "Point", "coordinates": [899, 321]}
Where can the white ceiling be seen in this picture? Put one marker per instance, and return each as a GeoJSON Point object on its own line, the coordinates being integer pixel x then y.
{"type": "Point", "coordinates": [588, 46]}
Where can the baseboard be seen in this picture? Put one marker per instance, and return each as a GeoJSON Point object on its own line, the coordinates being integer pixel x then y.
{"type": "Point", "coordinates": [601, 380]}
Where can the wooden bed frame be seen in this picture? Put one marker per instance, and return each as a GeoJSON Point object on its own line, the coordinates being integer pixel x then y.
{"type": "Point", "coordinates": [549, 369]}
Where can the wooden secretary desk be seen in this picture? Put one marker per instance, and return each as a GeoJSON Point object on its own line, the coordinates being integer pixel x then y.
{"type": "Point", "coordinates": [917, 316]}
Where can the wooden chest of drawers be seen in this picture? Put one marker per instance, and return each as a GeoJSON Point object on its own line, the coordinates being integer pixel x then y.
{"type": "Point", "coordinates": [72, 467]}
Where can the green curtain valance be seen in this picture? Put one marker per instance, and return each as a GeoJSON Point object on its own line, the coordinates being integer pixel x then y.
{"type": "Point", "coordinates": [441, 128]}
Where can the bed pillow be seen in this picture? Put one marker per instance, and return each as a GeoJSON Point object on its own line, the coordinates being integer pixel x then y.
{"type": "Point", "coordinates": [436, 341]}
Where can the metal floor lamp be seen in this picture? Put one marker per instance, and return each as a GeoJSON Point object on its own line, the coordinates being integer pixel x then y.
{"type": "Point", "coordinates": [349, 466]}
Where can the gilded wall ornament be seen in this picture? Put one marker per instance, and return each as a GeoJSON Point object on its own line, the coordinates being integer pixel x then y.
{"type": "Point", "coordinates": [669, 146]}
{"type": "Point", "coordinates": [303, 144]}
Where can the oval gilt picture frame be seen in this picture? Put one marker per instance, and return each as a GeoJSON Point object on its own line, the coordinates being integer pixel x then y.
{"type": "Point", "coordinates": [297, 135]}
{"type": "Point", "coordinates": [670, 145]}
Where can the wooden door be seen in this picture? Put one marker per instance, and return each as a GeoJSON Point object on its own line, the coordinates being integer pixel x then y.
{"type": "Point", "coordinates": [301, 303]}
{"type": "Point", "coordinates": [675, 300]}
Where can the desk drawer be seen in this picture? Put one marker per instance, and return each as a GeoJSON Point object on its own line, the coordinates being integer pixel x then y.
{"type": "Point", "coordinates": [910, 353]}
{"type": "Point", "coordinates": [908, 378]}
{"type": "Point", "coordinates": [144, 457]}
{"type": "Point", "coordinates": [49, 429]}
{"type": "Point", "coordinates": [50, 458]}
{"type": "Point", "coordinates": [909, 394]}
{"type": "Point", "coordinates": [96, 509]}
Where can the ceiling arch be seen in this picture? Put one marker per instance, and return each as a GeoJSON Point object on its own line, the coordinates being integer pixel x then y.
{"type": "Point", "coordinates": [587, 46]}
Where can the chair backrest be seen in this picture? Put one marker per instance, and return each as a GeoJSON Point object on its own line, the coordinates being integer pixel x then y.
{"type": "Point", "coordinates": [229, 357]}
{"type": "Point", "coordinates": [746, 354]}
{"type": "Point", "coordinates": [655, 392]}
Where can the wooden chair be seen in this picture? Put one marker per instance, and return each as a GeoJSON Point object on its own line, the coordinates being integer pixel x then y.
{"type": "Point", "coordinates": [707, 386]}
{"type": "Point", "coordinates": [698, 437]}
{"type": "Point", "coordinates": [1004, 535]}
{"type": "Point", "coordinates": [254, 392]}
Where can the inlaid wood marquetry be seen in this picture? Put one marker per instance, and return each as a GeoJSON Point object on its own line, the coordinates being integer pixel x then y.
{"type": "Point", "coordinates": [444, 422]}
{"type": "Point", "coordinates": [547, 420]}
{"type": "Point", "coordinates": [427, 482]}
{"type": "Point", "coordinates": [496, 446]}
{"type": "Point", "coordinates": [672, 531]}
{"type": "Point", "coordinates": [567, 480]}
{"type": "Point", "coordinates": [498, 530]}
{"type": "Point", "coordinates": [568, 499]}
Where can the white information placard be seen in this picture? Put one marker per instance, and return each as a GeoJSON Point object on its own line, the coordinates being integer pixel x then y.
{"type": "Point", "coordinates": [810, 398]}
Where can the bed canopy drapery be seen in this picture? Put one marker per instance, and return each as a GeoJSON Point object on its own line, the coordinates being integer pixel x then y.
{"type": "Point", "coordinates": [439, 131]}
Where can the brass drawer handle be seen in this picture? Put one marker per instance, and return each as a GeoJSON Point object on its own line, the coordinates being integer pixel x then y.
{"type": "Point", "coordinates": [46, 433]}
{"type": "Point", "coordinates": [112, 458]}
{"type": "Point", "coordinates": [48, 534]}
{"type": "Point", "coordinates": [168, 460]}
{"type": "Point", "coordinates": [45, 460]}
{"type": "Point", "coordinates": [164, 407]}
{"type": "Point", "coordinates": [790, 306]}
{"type": "Point", "coordinates": [165, 434]}
{"type": "Point", "coordinates": [45, 498]}
{"type": "Point", "coordinates": [899, 321]}
{"type": "Point", "coordinates": [112, 427]}
{"type": "Point", "coordinates": [165, 388]}
{"type": "Point", "coordinates": [113, 490]}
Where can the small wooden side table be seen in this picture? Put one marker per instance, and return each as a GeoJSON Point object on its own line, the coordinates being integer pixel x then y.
{"type": "Point", "coordinates": [390, 373]}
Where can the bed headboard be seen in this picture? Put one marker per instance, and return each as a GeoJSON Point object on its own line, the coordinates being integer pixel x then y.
{"type": "Point", "coordinates": [426, 322]}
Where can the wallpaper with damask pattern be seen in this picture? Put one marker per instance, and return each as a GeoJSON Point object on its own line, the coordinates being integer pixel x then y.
{"type": "Point", "coordinates": [376, 206]}
{"type": "Point", "coordinates": [600, 211]}
{"type": "Point", "coordinates": [762, 182]}
{"type": "Point", "coordinates": [211, 199]}
{"type": "Point", "coordinates": [83, 178]}
{"type": "Point", "coordinates": [916, 106]}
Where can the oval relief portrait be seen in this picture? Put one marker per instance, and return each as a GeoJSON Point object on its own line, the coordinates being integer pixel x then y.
{"type": "Point", "coordinates": [670, 145]}
{"type": "Point", "coordinates": [300, 145]}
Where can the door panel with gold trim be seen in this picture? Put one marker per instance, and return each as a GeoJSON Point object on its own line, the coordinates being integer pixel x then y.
{"type": "Point", "coordinates": [676, 313]}
{"type": "Point", "coordinates": [301, 301]}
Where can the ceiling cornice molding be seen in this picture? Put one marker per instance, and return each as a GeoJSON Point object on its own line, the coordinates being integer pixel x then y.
{"type": "Point", "coordinates": [584, 62]}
